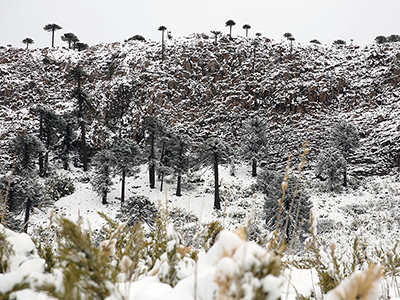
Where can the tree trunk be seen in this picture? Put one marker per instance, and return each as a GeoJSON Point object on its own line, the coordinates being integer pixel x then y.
{"type": "Point", "coordinates": [83, 145]}
{"type": "Point", "coordinates": [217, 200]}
{"type": "Point", "coordinates": [104, 198]}
{"type": "Point", "coordinates": [52, 38]}
{"type": "Point", "coordinates": [152, 172]}
{"type": "Point", "coordinates": [162, 46]}
{"type": "Point", "coordinates": [123, 186]}
{"type": "Point", "coordinates": [27, 214]}
{"type": "Point", "coordinates": [41, 172]}
{"type": "Point", "coordinates": [179, 186]}
{"type": "Point", "coordinates": [345, 177]}
{"type": "Point", "coordinates": [254, 168]}
{"type": "Point", "coordinates": [162, 181]}
{"type": "Point", "coordinates": [46, 164]}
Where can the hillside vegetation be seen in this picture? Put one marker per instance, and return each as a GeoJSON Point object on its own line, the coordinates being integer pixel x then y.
{"type": "Point", "coordinates": [206, 89]}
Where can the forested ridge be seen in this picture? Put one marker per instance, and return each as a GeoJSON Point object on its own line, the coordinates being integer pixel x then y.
{"type": "Point", "coordinates": [204, 89]}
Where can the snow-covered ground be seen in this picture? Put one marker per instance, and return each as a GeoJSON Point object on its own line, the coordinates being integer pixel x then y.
{"type": "Point", "coordinates": [367, 209]}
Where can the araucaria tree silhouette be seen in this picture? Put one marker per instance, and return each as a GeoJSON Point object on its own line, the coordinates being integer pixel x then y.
{"type": "Point", "coordinates": [27, 41]}
{"type": "Point", "coordinates": [83, 102]}
{"type": "Point", "coordinates": [162, 29]}
{"type": "Point", "coordinates": [293, 207]}
{"type": "Point", "coordinates": [26, 148]}
{"type": "Point", "coordinates": [254, 142]}
{"type": "Point", "coordinates": [330, 166]}
{"type": "Point", "coordinates": [230, 24]}
{"type": "Point", "coordinates": [246, 27]}
{"type": "Point", "coordinates": [52, 28]}
{"type": "Point", "coordinates": [181, 159]}
{"type": "Point", "coordinates": [213, 152]}
{"type": "Point", "coordinates": [153, 127]}
{"type": "Point", "coordinates": [49, 125]}
{"type": "Point", "coordinates": [70, 38]}
{"type": "Point", "coordinates": [290, 38]}
{"type": "Point", "coordinates": [380, 39]}
{"type": "Point", "coordinates": [103, 163]}
{"type": "Point", "coordinates": [127, 157]}
{"type": "Point", "coordinates": [345, 138]}
{"type": "Point", "coordinates": [216, 35]}
{"type": "Point", "coordinates": [28, 193]}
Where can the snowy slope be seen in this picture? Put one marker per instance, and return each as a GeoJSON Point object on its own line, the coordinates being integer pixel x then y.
{"type": "Point", "coordinates": [205, 89]}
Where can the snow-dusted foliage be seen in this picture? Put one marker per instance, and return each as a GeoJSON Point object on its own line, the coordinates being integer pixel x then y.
{"type": "Point", "coordinates": [103, 163]}
{"type": "Point", "coordinates": [127, 156]}
{"type": "Point", "coordinates": [213, 152]}
{"type": "Point", "coordinates": [138, 209]}
{"type": "Point", "coordinates": [254, 146]}
{"type": "Point", "coordinates": [345, 137]}
{"type": "Point", "coordinates": [288, 210]}
{"type": "Point", "coordinates": [330, 166]}
{"type": "Point", "coordinates": [245, 270]}
{"type": "Point", "coordinates": [22, 195]}
{"type": "Point", "coordinates": [26, 148]}
{"type": "Point", "coordinates": [210, 88]}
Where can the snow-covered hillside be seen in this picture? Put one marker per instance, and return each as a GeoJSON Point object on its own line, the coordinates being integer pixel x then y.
{"type": "Point", "coordinates": [205, 89]}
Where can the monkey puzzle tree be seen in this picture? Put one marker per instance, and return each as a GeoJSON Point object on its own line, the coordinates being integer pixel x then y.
{"type": "Point", "coordinates": [67, 136]}
{"type": "Point", "coordinates": [24, 195]}
{"type": "Point", "coordinates": [181, 159]}
{"type": "Point", "coordinates": [290, 38]}
{"type": "Point", "coordinates": [315, 41]}
{"type": "Point", "coordinates": [52, 28]}
{"type": "Point", "coordinates": [162, 29]}
{"type": "Point", "coordinates": [213, 152]}
{"type": "Point", "coordinates": [49, 126]}
{"type": "Point", "coordinates": [27, 41]}
{"type": "Point", "coordinates": [81, 46]}
{"type": "Point", "coordinates": [393, 38]}
{"type": "Point", "coordinates": [246, 27]}
{"type": "Point", "coordinates": [127, 157]}
{"type": "Point", "coordinates": [230, 24]}
{"type": "Point", "coordinates": [84, 103]}
{"type": "Point", "coordinates": [284, 211]}
{"type": "Point", "coordinates": [339, 42]}
{"type": "Point", "coordinates": [216, 35]}
{"type": "Point", "coordinates": [153, 127]}
{"type": "Point", "coordinates": [26, 147]}
{"type": "Point", "coordinates": [254, 142]}
{"type": "Point", "coordinates": [103, 163]}
{"type": "Point", "coordinates": [69, 38]}
{"type": "Point", "coordinates": [345, 137]}
{"type": "Point", "coordinates": [330, 166]}
{"type": "Point", "coordinates": [27, 193]}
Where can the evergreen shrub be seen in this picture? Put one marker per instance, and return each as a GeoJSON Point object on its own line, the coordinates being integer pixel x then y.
{"type": "Point", "coordinates": [138, 209]}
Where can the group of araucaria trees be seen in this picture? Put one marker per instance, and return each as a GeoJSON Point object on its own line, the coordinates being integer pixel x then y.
{"type": "Point", "coordinates": [70, 38]}
{"type": "Point", "coordinates": [56, 140]}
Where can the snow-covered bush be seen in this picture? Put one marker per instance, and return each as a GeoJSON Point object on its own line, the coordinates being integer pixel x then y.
{"type": "Point", "coordinates": [138, 209]}
{"type": "Point", "coordinates": [20, 266]}
{"type": "Point", "coordinates": [173, 265]}
{"type": "Point", "coordinates": [85, 268]}
{"type": "Point", "coordinates": [290, 213]}
{"type": "Point", "coordinates": [330, 166]}
{"type": "Point", "coordinates": [245, 270]}
{"type": "Point", "coordinates": [61, 186]}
